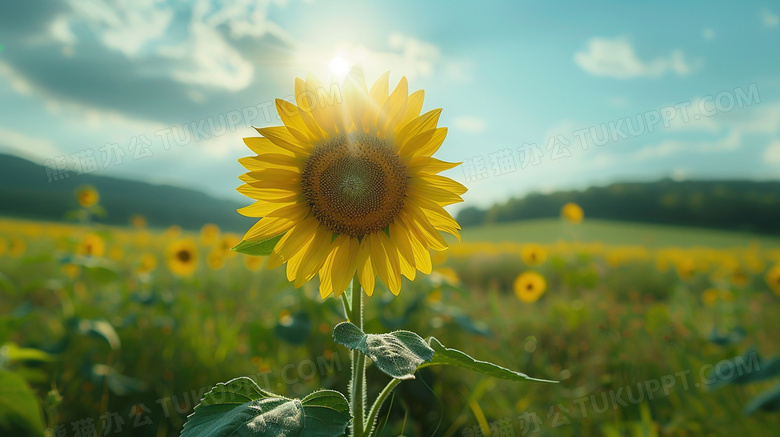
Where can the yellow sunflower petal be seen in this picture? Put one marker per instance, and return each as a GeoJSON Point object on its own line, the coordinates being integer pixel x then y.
{"type": "Point", "coordinates": [294, 240]}
{"type": "Point", "coordinates": [420, 124]}
{"type": "Point", "coordinates": [262, 146]}
{"type": "Point", "coordinates": [281, 136]}
{"type": "Point", "coordinates": [345, 262]}
{"type": "Point", "coordinates": [315, 255]}
{"type": "Point", "coordinates": [428, 165]}
{"type": "Point", "coordinates": [261, 208]}
{"type": "Point", "coordinates": [384, 256]}
{"type": "Point", "coordinates": [413, 107]}
{"type": "Point", "coordinates": [365, 267]}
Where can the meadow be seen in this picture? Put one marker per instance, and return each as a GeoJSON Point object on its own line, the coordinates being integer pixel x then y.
{"type": "Point", "coordinates": [649, 330]}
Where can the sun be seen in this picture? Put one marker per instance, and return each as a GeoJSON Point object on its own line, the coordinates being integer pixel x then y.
{"type": "Point", "coordinates": [339, 66]}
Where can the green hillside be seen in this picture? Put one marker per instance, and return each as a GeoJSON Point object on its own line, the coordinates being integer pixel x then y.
{"type": "Point", "coordinates": [611, 232]}
{"type": "Point", "coordinates": [26, 192]}
{"type": "Point", "coordinates": [740, 205]}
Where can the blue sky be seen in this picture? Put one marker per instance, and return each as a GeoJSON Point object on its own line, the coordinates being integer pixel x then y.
{"type": "Point", "coordinates": [525, 86]}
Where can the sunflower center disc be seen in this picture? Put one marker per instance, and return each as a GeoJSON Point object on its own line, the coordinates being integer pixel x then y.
{"type": "Point", "coordinates": [183, 255]}
{"type": "Point", "coordinates": [354, 184]}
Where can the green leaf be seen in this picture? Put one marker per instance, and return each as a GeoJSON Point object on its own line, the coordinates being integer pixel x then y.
{"type": "Point", "coordinates": [397, 354]}
{"type": "Point", "coordinates": [453, 357]}
{"type": "Point", "coordinates": [259, 247]}
{"type": "Point", "coordinates": [766, 401]}
{"type": "Point", "coordinates": [11, 352]}
{"type": "Point", "coordinates": [18, 405]}
{"type": "Point", "coordinates": [97, 328]}
{"type": "Point", "coordinates": [745, 369]}
{"type": "Point", "coordinates": [240, 408]}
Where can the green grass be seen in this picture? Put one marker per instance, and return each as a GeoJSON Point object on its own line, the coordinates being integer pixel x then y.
{"type": "Point", "coordinates": [612, 232]}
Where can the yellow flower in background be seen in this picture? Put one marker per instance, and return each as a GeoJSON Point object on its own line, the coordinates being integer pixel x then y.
{"type": "Point", "coordinates": [227, 242]}
{"type": "Point", "coordinates": [209, 234]}
{"type": "Point", "coordinates": [147, 263]}
{"type": "Point", "coordinates": [572, 213]}
{"type": "Point", "coordinates": [17, 247]}
{"type": "Point", "coordinates": [533, 254]}
{"type": "Point", "coordinates": [91, 245]}
{"type": "Point", "coordinates": [138, 221]}
{"type": "Point", "coordinates": [215, 260]}
{"type": "Point", "coordinates": [3, 246]}
{"type": "Point", "coordinates": [711, 296]}
{"type": "Point", "coordinates": [182, 258]}
{"type": "Point", "coordinates": [442, 275]}
{"type": "Point", "coordinates": [253, 263]}
{"type": "Point", "coordinates": [116, 253]}
{"type": "Point", "coordinates": [529, 286]}
{"type": "Point", "coordinates": [773, 279]}
{"type": "Point", "coordinates": [740, 277]}
{"type": "Point", "coordinates": [174, 231]}
{"type": "Point", "coordinates": [71, 270]}
{"type": "Point", "coordinates": [87, 196]}
{"type": "Point", "coordinates": [351, 185]}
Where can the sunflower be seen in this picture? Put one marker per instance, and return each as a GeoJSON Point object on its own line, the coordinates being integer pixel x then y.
{"type": "Point", "coordinates": [529, 286]}
{"type": "Point", "coordinates": [209, 234]}
{"type": "Point", "coordinates": [147, 263]}
{"type": "Point", "coordinates": [138, 221]}
{"type": "Point", "coordinates": [253, 263]}
{"type": "Point", "coordinates": [773, 279]}
{"type": "Point", "coordinates": [350, 185]}
{"type": "Point", "coordinates": [215, 259]}
{"type": "Point", "coordinates": [572, 213]}
{"type": "Point", "coordinates": [182, 257]}
{"type": "Point", "coordinates": [87, 196]}
{"type": "Point", "coordinates": [533, 254]}
{"type": "Point", "coordinates": [91, 245]}
{"type": "Point", "coordinates": [227, 242]}
{"type": "Point", "coordinates": [17, 247]}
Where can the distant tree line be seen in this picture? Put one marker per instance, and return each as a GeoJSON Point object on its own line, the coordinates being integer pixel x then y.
{"type": "Point", "coordinates": [734, 204]}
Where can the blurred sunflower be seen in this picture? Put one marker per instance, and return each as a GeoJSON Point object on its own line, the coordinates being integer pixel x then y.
{"type": "Point", "coordinates": [2, 246]}
{"type": "Point", "coordinates": [138, 221]}
{"type": "Point", "coordinates": [533, 254]}
{"type": "Point", "coordinates": [712, 295]}
{"type": "Point", "coordinates": [17, 247]}
{"type": "Point", "coordinates": [182, 257]}
{"type": "Point", "coordinates": [227, 242]}
{"type": "Point", "coordinates": [572, 213]}
{"type": "Point", "coordinates": [87, 196]}
{"type": "Point", "coordinates": [209, 234]}
{"type": "Point", "coordinates": [215, 260]}
{"type": "Point", "coordinates": [351, 185]}
{"type": "Point", "coordinates": [147, 263]}
{"type": "Point", "coordinates": [773, 279]}
{"type": "Point", "coordinates": [529, 286]}
{"type": "Point", "coordinates": [253, 263]}
{"type": "Point", "coordinates": [91, 245]}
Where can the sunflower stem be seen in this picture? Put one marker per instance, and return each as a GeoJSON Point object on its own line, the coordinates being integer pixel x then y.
{"type": "Point", "coordinates": [358, 383]}
{"type": "Point", "coordinates": [370, 421]}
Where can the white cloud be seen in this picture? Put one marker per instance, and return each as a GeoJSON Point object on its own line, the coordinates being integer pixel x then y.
{"type": "Point", "coordinates": [28, 146]}
{"type": "Point", "coordinates": [469, 123]}
{"type": "Point", "coordinates": [708, 34]}
{"type": "Point", "coordinates": [616, 58]}
{"type": "Point", "coordinates": [143, 29]}
{"type": "Point", "coordinates": [772, 153]}
{"type": "Point", "coordinates": [769, 19]}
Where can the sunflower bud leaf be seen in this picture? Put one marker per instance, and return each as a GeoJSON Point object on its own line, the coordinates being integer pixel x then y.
{"type": "Point", "coordinates": [397, 354]}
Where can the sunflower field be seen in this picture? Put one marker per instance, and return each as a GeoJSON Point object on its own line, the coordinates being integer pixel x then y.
{"type": "Point", "coordinates": [122, 330]}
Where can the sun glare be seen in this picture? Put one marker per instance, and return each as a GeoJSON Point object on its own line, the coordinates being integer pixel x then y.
{"type": "Point", "coordinates": [339, 66]}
